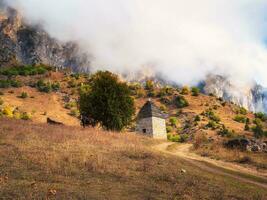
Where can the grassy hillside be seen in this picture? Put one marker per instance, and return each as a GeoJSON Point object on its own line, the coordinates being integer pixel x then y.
{"type": "Point", "coordinates": [201, 119]}
{"type": "Point", "coordinates": [38, 161]}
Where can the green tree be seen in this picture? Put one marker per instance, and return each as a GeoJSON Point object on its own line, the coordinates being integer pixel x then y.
{"type": "Point", "coordinates": [107, 101]}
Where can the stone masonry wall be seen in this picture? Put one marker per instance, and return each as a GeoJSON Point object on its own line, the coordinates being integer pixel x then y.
{"type": "Point", "coordinates": [154, 127]}
{"type": "Point", "coordinates": [145, 124]}
{"type": "Point", "coordinates": [159, 128]}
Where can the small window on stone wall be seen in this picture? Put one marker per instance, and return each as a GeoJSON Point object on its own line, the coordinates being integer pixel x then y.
{"type": "Point", "coordinates": [144, 130]}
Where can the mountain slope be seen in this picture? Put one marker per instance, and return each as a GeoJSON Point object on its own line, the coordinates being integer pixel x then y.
{"type": "Point", "coordinates": [22, 44]}
{"type": "Point", "coordinates": [75, 163]}
{"type": "Point", "coordinates": [253, 97]}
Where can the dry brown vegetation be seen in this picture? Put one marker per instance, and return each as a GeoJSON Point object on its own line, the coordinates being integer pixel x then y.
{"type": "Point", "coordinates": [216, 150]}
{"type": "Point", "coordinates": [50, 162]}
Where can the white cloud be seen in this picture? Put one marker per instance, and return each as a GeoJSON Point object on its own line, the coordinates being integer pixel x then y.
{"type": "Point", "coordinates": [181, 39]}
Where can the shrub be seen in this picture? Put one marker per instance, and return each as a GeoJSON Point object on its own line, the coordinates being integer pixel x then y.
{"type": "Point", "coordinates": [1, 101]}
{"type": "Point", "coordinates": [151, 93]}
{"type": "Point", "coordinates": [72, 83]}
{"type": "Point", "coordinates": [243, 111]}
{"type": "Point", "coordinates": [184, 138]}
{"type": "Point", "coordinates": [42, 86]}
{"type": "Point", "coordinates": [185, 90]}
{"type": "Point", "coordinates": [257, 122]}
{"type": "Point", "coordinates": [76, 76]}
{"type": "Point", "coordinates": [173, 121]}
{"type": "Point", "coordinates": [8, 111]}
{"type": "Point", "coordinates": [195, 91]}
{"type": "Point", "coordinates": [75, 113]}
{"type": "Point", "coordinates": [224, 132]}
{"type": "Point", "coordinates": [134, 87]}
{"type": "Point", "coordinates": [258, 131]}
{"type": "Point", "coordinates": [240, 119]}
{"type": "Point", "coordinates": [212, 124]}
{"type": "Point", "coordinates": [181, 102]}
{"type": "Point", "coordinates": [211, 115]}
{"type": "Point", "coordinates": [47, 87]}
{"type": "Point", "coordinates": [197, 118]}
{"type": "Point", "coordinates": [247, 128]}
{"type": "Point", "coordinates": [140, 93]}
{"type": "Point", "coordinates": [165, 101]}
{"type": "Point", "coordinates": [16, 115]}
{"type": "Point", "coordinates": [27, 70]}
{"type": "Point", "coordinates": [24, 95]}
{"type": "Point", "coordinates": [163, 108]}
{"type": "Point", "coordinates": [162, 93]}
{"type": "Point", "coordinates": [107, 101]}
{"type": "Point", "coordinates": [1, 93]}
{"type": "Point", "coordinates": [10, 83]}
{"type": "Point", "coordinates": [25, 116]}
{"type": "Point", "coordinates": [71, 105]}
{"type": "Point", "coordinates": [55, 86]}
{"type": "Point", "coordinates": [169, 129]}
{"type": "Point", "coordinates": [149, 85]}
{"type": "Point", "coordinates": [174, 138]}
{"type": "Point", "coordinates": [260, 115]}
{"type": "Point", "coordinates": [165, 91]}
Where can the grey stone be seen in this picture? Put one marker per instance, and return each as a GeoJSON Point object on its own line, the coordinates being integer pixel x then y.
{"type": "Point", "coordinates": [151, 121]}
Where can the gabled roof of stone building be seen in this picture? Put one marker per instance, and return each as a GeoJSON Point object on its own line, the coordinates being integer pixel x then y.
{"type": "Point", "coordinates": [151, 110]}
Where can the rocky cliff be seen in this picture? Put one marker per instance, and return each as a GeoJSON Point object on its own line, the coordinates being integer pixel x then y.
{"type": "Point", "coordinates": [24, 44]}
{"type": "Point", "coordinates": [253, 98]}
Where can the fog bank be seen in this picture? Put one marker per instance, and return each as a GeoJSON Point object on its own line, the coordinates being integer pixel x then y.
{"type": "Point", "coordinates": [182, 40]}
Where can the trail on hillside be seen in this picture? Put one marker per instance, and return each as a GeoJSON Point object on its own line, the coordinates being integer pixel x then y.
{"type": "Point", "coordinates": [215, 166]}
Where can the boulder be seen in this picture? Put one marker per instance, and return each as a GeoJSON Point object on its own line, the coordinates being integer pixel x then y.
{"type": "Point", "coordinates": [256, 148]}
{"type": "Point", "coordinates": [238, 143]}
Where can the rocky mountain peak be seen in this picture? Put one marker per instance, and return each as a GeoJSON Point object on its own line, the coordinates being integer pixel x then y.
{"type": "Point", "coordinates": [22, 44]}
{"type": "Point", "coordinates": [253, 98]}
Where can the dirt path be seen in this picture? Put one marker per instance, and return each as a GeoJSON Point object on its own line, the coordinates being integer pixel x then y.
{"type": "Point", "coordinates": [215, 166]}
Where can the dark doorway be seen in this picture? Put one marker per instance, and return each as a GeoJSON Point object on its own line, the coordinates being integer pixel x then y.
{"type": "Point", "coordinates": [144, 130]}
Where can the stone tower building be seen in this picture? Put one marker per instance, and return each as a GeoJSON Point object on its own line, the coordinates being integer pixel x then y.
{"type": "Point", "coordinates": [151, 121]}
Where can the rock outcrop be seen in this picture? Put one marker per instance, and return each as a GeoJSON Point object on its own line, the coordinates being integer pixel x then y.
{"type": "Point", "coordinates": [253, 98]}
{"type": "Point", "coordinates": [22, 44]}
{"type": "Point", "coordinates": [245, 144]}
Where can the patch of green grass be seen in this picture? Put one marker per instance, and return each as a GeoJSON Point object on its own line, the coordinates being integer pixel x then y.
{"type": "Point", "coordinates": [10, 83]}
{"type": "Point", "coordinates": [212, 116]}
{"type": "Point", "coordinates": [47, 87]}
{"type": "Point", "coordinates": [27, 70]}
{"type": "Point", "coordinates": [240, 118]}
{"type": "Point", "coordinates": [24, 95]}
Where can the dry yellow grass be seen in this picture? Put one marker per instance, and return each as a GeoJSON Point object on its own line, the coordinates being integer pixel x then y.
{"type": "Point", "coordinates": [218, 152]}
{"type": "Point", "coordinates": [50, 162]}
{"type": "Point", "coordinates": [42, 105]}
